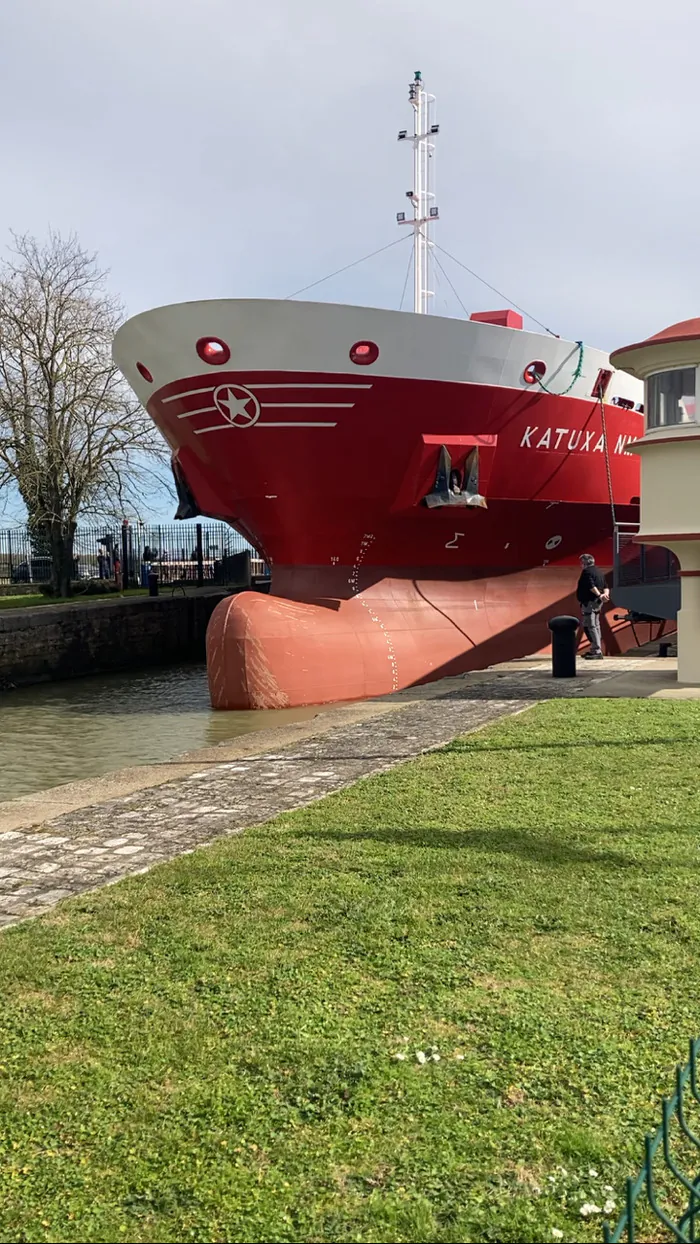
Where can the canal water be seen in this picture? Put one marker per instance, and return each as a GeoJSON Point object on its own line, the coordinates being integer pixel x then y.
{"type": "Point", "coordinates": [62, 732]}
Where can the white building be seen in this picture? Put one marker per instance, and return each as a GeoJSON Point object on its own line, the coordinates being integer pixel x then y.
{"type": "Point", "coordinates": [670, 456]}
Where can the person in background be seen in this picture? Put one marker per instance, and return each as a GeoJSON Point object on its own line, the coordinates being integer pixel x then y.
{"type": "Point", "coordinates": [591, 594]}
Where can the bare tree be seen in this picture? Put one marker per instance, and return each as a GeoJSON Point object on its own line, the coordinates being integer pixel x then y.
{"type": "Point", "coordinates": [72, 437]}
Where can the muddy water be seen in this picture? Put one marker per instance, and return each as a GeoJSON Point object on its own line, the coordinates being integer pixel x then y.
{"type": "Point", "coordinates": [62, 732]}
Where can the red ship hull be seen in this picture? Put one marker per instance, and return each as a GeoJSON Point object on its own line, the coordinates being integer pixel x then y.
{"type": "Point", "coordinates": [308, 644]}
{"type": "Point", "coordinates": [325, 469]}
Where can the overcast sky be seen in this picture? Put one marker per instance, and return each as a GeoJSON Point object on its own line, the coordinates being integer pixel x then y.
{"type": "Point", "coordinates": [215, 148]}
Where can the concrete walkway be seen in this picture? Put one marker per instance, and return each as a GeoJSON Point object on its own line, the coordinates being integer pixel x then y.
{"type": "Point", "coordinates": [88, 834]}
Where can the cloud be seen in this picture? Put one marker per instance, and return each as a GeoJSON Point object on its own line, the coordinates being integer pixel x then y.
{"type": "Point", "coordinates": [230, 149]}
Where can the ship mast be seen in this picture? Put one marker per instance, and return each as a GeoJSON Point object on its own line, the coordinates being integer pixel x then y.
{"type": "Point", "coordinates": [425, 213]}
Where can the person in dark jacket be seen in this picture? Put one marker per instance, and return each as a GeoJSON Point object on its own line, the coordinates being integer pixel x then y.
{"type": "Point", "coordinates": [591, 594]}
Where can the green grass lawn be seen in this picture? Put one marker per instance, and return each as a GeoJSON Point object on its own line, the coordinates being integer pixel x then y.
{"type": "Point", "coordinates": [29, 599]}
{"type": "Point", "coordinates": [226, 1048]}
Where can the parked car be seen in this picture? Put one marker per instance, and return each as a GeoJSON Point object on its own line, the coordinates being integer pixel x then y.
{"type": "Point", "coordinates": [41, 571]}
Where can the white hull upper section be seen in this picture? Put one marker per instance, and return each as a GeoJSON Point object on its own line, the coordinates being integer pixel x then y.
{"type": "Point", "coordinates": [265, 335]}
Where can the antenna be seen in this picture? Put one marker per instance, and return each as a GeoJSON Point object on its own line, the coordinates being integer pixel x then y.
{"type": "Point", "coordinates": [425, 213]}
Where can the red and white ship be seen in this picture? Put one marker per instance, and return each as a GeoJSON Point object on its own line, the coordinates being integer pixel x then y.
{"type": "Point", "coordinates": [421, 487]}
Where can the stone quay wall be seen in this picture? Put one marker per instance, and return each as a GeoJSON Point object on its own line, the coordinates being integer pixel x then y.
{"type": "Point", "coordinates": [92, 637]}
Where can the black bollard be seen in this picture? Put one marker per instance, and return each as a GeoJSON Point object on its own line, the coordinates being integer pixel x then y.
{"type": "Point", "coordinates": [563, 630]}
{"type": "Point", "coordinates": [152, 583]}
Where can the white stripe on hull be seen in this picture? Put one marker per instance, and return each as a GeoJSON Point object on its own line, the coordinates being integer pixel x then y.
{"type": "Point", "coordinates": [223, 427]}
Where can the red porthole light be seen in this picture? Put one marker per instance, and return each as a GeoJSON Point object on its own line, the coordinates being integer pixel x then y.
{"type": "Point", "coordinates": [213, 350]}
{"type": "Point", "coordinates": [534, 371]}
{"type": "Point", "coordinates": [143, 371]}
{"type": "Point", "coordinates": [363, 353]}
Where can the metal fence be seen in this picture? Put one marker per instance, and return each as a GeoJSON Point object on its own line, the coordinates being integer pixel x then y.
{"type": "Point", "coordinates": [674, 1144]}
{"type": "Point", "coordinates": [641, 563]}
{"type": "Point", "coordinates": [196, 553]}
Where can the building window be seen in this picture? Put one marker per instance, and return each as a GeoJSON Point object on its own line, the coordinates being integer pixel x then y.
{"type": "Point", "coordinates": [671, 397]}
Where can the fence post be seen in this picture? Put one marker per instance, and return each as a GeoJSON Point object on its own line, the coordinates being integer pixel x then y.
{"type": "Point", "coordinates": [125, 553]}
{"type": "Point", "coordinates": [200, 557]}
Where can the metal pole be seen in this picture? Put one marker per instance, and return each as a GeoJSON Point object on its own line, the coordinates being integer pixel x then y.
{"type": "Point", "coordinates": [200, 557]}
{"type": "Point", "coordinates": [125, 554]}
{"type": "Point", "coordinates": [418, 244]}
{"type": "Point", "coordinates": [422, 198]}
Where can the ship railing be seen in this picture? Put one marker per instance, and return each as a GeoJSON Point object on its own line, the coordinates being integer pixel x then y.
{"type": "Point", "coordinates": [646, 578]}
{"type": "Point", "coordinates": [637, 564]}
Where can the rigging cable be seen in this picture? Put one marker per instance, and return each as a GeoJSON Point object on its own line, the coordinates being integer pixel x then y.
{"type": "Point", "coordinates": [396, 242]}
{"type": "Point", "coordinates": [606, 450]}
{"type": "Point", "coordinates": [439, 292]}
{"type": "Point", "coordinates": [449, 282]}
{"type": "Point", "coordinates": [577, 372]}
{"type": "Point", "coordinates": [494, 290]}
{"type": "Point", "coordinates": [405, 284]}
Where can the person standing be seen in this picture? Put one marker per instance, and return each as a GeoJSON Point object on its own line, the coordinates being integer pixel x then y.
{"type": "Point", "coordinates": [591, 594]}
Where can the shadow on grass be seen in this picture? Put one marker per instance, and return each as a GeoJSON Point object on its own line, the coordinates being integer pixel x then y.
{"type": "Point", "coordinates": [540, 849]}
{"type": "Point", "coordinates": [473, 743]}
{"type": "Point", "coordinates": [467, 745]}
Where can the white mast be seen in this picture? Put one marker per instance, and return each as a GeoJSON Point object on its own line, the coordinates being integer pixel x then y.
{"type": "Point", "coordinates": [424, 210]}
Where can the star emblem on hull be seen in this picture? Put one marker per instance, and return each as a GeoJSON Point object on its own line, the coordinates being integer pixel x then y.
{"type": "Point", "coordinates": [237, 405]}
